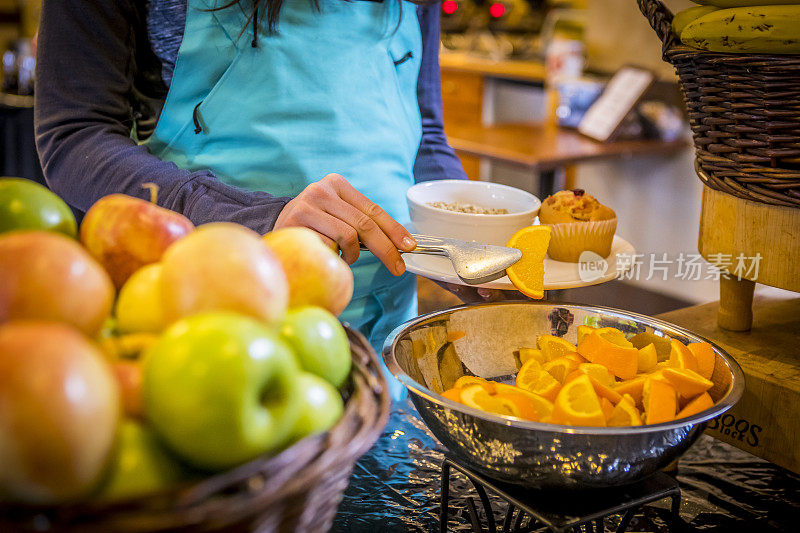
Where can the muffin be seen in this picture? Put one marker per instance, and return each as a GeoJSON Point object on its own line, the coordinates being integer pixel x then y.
{"type": "Point", "coordinates": [579, 223]}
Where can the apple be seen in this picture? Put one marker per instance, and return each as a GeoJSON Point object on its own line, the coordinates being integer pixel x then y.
{"type": "Point", "coordinates": [140, 465]}
{"type": "Point", "coordinates": [319, 341]}
{"type": "Point", "coordinates": [129, 378]}
{"type": "Point", "coordinates": [223, 267]}
{"type": "Point", "coordinates": [321, 407]}
{"type": "Point", "coordinates": [125, 233]}
{"type": "Point", "coordinates": [316, 274]}
{"type": "Point", "coordinates": [221, 389]}
{"type": "Point", "coordinates": [140, 306]}
{"type": "Point", "coordinates": [59, 409]}
{"type": "Point", "coordinates": [48, 276]}
{"type": "Point", "coordinates": [25, 204]}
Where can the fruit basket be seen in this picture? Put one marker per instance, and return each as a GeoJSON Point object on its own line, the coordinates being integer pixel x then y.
{"type": "Point", "coordinates": [422, 356]}
{"type": "Point", "coordinates": [743, 113]}
{"type": "Point", "coordinates": [297, 490]}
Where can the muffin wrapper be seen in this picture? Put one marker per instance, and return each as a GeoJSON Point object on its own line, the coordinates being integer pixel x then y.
{"type": "Point", "coordinates": [568, 240]}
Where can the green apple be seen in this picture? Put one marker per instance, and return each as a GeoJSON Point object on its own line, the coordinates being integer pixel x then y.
{"type": "Point", "coordinates": [319, 341]}
{"type": "Point", "coordinates": [321, 406]}
{"type": "Point", "coordinates": [139, 305]}
{"type": "Point", "coordinates": [220, 389]}
{"type": "Point", "coordinates": [140, 466]}
{"type": "Point", "coordinates": [24, 204]}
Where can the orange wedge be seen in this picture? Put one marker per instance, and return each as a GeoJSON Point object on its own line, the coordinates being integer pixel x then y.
{"type": "Point", "coordinates": [632, 387]}
{"type": "Point", "coordinates": [648, 358]}
{"type": "Point", "coordinates": [596, 371]}
{"type": "Point", "coordinates": [688, 383]}
{"type": "Point", "coordinates": [705, 357]}
{"type": "Point", "coordinates": [527, 274]}
{"type": "Point", "coordinates": [662, 344]}
{"type": "Point", "coordinates": [553, 347]}
{"type": "Point", "coordinates": [583, 331]}
{"type": "Point", "coordinates": [614, 335]}
{"type": "Point", "coordinates": [607, 407]}
{"type": "Point", "coordinates": [660, 401]}
{"type": "Point", "coordinates": [701, 403]}
{"type": "Point", "coordinates": [531, 353]}
{"type": "Point", "coordinates": [628, 398]}
{"type": "Point", "coordinates": [578, 405]}
{"type": "Point", "coordinates": [533, 378]}
{"type": "Point", "coordinates": [560, 367]}
{"type": "Point", "coordinates": [625, 413]}
{"type": "Point", "coordinates": [465, 381]}
{"type": "Point", "coordinates": [575, 356]}
{"type": "Point", "coordinates": [605, 392]}
{"type": "Point", "coordinates": [453, 394]}
{"type": "Point", "coordinates": [542, 407]}
{"type": "Point", "coordinates": [477, 397]}
{"type": "Point", "coordinates": [681, 357]}
{"type": "Point", "coordinates": [608, 351]}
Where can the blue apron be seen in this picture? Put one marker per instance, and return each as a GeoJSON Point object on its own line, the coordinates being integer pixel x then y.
{"type": "Point", "coordinates": [332, 90]}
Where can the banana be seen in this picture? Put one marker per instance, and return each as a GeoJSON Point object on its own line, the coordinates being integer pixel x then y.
{"type": "Point", "coordinates": [744, 3]}
{"type": "Point", "coordinates": [682, 18]}
{"type": "Point", "coordinates": [773, 29]}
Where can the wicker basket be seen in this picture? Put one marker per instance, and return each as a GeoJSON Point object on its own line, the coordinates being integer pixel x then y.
{"type": "Point", "coordinates": [744, 110]}
{"type": "Point", "coordinates": [296, 491]}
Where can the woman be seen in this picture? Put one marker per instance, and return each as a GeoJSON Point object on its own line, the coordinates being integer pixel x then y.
{"type": "Point", "coordinates": [269, 113]}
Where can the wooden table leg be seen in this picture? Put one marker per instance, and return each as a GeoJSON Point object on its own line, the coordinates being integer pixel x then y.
{"type": "Point", "coordinates": [735, 304]}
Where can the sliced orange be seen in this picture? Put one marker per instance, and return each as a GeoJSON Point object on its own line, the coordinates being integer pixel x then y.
{"type": "Point", "coordinates": [705, 357]}
{"type": "Point", "coordinates": [477, 397]}
{"type": "Point", "coordinates": [605, 392]}
{"type": "Point", "coordinates": [465, 381]}
{"type": "Point", "coordinates": [632, 387]}
{"type": "Point", "coordinates": [607, 407]}
{"type": "Point", "coordinates": [681, 357]}
{"type": "Point", "coordinates": [648, 358]}
{"type": "Point", "coordinates": [662, 344]}
{"type": "Point", "coordinates": [527, 274]}
{"type": "Point", "coordinates": [607, 350]}
{"type": "Point", "coordinates": [543, 407]}
{"type": "Point", "coordinates": [625, 413]}
{"type": "Point", "coordinates": [575, 356]}
{"type": "Point", "coordinates": [596, 371]}
{"type": "Point", "coordinates": [453, 394]}
{"type": "Point", "coordinates": [583, 331]}
{"type": "Point", "coordinates": [531, 353]}
{"type": "Point", "coordinates": [614, 335]}
{"type": "Point", "coordinates": [545, 386]}
{"type": "Point", "coordinates": [660, 401]}
{"type": "Point", "coordinates": [701, 403]}
{"type": "Point", "coordinates": [628, 398]}
{"type": "Point", "coordinates": [529, 372]}
{"type": "Point", "coordinates": [560, 367]}
{"type": "Point", "coordinates": [553, 347]}
{"type": "Point", "coordinates": [577, 404]}
{"type": "Point", "coordinates": [688, 383]}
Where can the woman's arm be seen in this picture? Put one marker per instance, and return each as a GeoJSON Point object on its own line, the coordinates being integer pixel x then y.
{"type": "Point", "coordinates": [435, 158]}
{"type": "Point", "coordinates": [83, 114]}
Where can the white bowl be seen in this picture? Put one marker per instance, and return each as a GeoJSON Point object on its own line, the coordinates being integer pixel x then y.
{"type": "Point", "coordinates": [489, 229]}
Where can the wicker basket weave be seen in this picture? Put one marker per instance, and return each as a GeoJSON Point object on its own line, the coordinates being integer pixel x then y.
{"type": "Point", "coordinates": [744, 110]}
{"type": "Point", "coordinates": [296, 491]}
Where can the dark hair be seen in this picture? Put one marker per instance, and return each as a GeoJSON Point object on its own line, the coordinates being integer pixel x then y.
{"type": "Point", "coordinates": [272, 9]}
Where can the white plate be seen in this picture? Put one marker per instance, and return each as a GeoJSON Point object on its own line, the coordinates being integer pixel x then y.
{"type": "Point", "coordinates": [557, 274]}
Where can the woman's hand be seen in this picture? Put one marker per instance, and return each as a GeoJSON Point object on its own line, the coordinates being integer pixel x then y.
{"type": "Point", "coordinates": [342, 215]}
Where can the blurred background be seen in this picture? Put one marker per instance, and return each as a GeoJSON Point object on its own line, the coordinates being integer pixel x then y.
{"type": "Point", "coordinates": [517, 76]}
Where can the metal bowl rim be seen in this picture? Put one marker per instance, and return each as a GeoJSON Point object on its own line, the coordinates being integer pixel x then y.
{"type": "Point", "coordinates": [726, 402]}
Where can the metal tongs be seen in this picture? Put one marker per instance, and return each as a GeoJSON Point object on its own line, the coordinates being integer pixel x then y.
{"type": "Point", "coordinates": [475, 263]}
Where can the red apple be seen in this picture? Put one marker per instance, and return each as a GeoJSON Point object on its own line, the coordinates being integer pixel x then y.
{"type": "Point", "coordinates": [316, 274]}
{"type": "Point", "coordinates": [49, 276]}
{"type": "Point", "coordinates": [223, 267]}
{"type": "Point", "coordinates": [59, 409]}
{"type": "Point", "coordinates": [125, 233]}
{"type": "Point", "coordinates": [129, 378]}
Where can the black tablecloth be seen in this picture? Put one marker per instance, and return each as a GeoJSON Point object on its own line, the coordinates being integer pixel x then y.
{"type": "Point", "coordinates": [395, 488]}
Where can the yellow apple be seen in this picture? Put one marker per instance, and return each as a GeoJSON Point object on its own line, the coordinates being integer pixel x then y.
{"type": "Point", "coordinates": [140, 306]}
{"type": "Point", "coordinates": [316, 274]}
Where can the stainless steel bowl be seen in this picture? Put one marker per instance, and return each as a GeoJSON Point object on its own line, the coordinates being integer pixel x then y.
{"type": "Point", "coordinates": [429, 353]}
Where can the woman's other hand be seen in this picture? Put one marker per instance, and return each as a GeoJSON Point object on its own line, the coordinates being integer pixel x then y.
{"type": "Point", "coordinates": [342, 215]}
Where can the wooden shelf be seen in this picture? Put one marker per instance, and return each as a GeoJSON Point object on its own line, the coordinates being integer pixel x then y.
{"type": "Point", "coordinates": [541, 147]}
{"type": "Point", "coordinates": [511, 69]}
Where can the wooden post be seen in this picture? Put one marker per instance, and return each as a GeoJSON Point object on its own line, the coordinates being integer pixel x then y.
{"type": "Point", "coordinates": [735, 303]}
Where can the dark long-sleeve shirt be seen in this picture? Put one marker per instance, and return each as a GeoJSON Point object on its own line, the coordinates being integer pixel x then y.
{"type": "Point", "coordinates": [103, 70]}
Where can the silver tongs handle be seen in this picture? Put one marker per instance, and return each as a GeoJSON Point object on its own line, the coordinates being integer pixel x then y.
{"type": "Point", "coordinates": [425, 245]}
